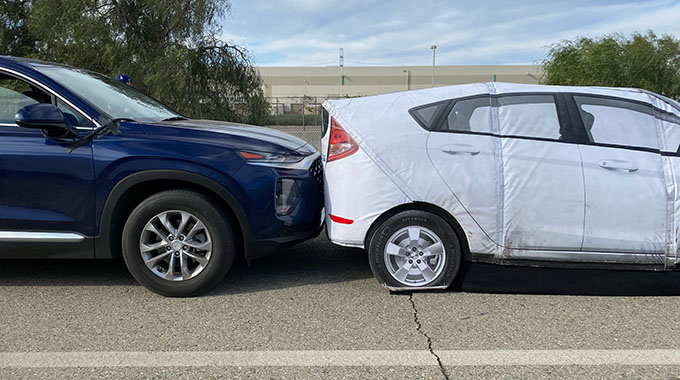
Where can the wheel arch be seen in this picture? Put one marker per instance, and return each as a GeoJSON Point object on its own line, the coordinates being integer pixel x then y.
{"type": "Point", "coordinates": [133, 189]}
{"type": "Point", "coordinates": [428, 207]}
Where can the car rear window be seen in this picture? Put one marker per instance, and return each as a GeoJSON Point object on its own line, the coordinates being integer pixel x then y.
{"type": "Point", "coordinates": [428, 114]}
{"type": "Point", "coordinates": [469, 115]}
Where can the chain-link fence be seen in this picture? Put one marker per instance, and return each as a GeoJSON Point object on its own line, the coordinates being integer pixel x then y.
{"type": "Point", "coordinates": [299, 116]}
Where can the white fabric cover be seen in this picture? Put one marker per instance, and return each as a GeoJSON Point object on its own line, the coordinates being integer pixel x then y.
{"type": "Point", "coordinates": [503, 195]}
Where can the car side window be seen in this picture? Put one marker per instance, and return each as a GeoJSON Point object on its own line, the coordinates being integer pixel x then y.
{"type": "Point", "coordinates": [426, 115]}
{"type": "Point", "coordinates": [15, 94]}
{"type": "Point", "coordinates": [671, 131]}
{"type": "Point", "coordinates": [618, 122]}
{"type": "Point", "coordinates": [529, 116]}
{"type": "Point", "coordinates": [469, 115]}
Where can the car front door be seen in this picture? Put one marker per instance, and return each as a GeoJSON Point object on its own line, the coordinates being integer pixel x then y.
{"type": "Point", "coordinates": [46, 192]}
{"type": "Point", "coordinates": [624, 176]}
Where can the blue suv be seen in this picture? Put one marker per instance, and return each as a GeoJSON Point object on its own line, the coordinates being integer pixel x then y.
{"type": "Point", "coordinates": [92, 168]}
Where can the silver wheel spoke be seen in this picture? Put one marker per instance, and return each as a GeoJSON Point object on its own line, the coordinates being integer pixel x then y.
{"type": "Point", "coordinates": [206, 246]}
{"type": "Point", "coordinates": [414, 235]}
{"type": "Point", "coordinates": [151, 263]}
{"type": "Point", "coordinates": [427, 272]}
{"type": "Point", "coordinates": [201, 260]}
{"type": "Point", "coordinates": [403, 271]}
{"type": "Point", "coordinates": [152, 228]}
{"type": "Point", "coordinates": [393, 249]}
{"type": "Point", "coordinates": [166, 223]}
{"type": "Point", "coordinates": [170, 274]}
{"type": "Point", "coordinates": [435, 249]}
{"type": "Point", "coordinates": [195, 229]}
{"type": "Point", "coordinates": [183, 267]}
{"type": "Point", "coordinates": [153, 247]}
{"type": "Point", "coordinates": [183, 223]}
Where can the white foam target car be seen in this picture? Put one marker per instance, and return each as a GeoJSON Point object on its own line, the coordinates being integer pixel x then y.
{"type": "Point", "coordinates": [503, 173]}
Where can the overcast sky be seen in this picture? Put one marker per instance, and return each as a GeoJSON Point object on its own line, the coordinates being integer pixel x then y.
{"type": "Point", "coordinates": [310, 32]}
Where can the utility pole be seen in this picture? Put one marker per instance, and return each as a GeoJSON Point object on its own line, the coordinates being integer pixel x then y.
{"type": "Point", "coordinates": [434, 49]}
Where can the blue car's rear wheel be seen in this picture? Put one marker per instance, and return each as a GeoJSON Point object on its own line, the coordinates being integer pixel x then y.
{"type": "Point", "coordinates": [178, 243]}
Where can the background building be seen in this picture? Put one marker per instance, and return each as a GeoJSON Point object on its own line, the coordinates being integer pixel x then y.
{"type": "Point", "coordinates": [287, 88]}
{"type": "Point", "coordinates": [296, 93]}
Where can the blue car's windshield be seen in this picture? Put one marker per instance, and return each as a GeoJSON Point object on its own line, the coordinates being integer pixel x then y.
{"type": "Point", "coordinates": [114, 98]}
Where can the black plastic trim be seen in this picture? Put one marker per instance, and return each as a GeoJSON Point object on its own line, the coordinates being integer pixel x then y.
{"type": "Point", "coordinates": [102, 242]}
{"type": "Point", "coordinates": [48, 250]}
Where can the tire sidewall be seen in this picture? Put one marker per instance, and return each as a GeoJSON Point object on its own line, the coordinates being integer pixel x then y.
{"type": "Point", "coordinates": [203, 208]}
{"type": "Point", "coordinates": [425, 219]}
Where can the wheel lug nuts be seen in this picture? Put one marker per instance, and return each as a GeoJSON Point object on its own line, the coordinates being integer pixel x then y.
{"type": "Point", "coordinates": [181, 238]}
{"type": "Point", "coordinates": [413, 249]}
{"type": "Point", "coordinates": [171, 238]}
{"type": "Point", "coordinates": [410, 261]}
{"type": "Point", "coordinates": [168, 248]}
{"type": "Point", "coordinates": [185, 248]}
{"type": "Point", "coordinates": [418, 261]}
{"type": "Point", "coordinates": [176, 253]}
{"type": "Point", "coordinates": [420, 253]}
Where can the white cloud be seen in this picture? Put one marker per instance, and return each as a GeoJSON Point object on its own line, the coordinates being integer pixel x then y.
{"type": "Point", "coordinates": [399, 32]}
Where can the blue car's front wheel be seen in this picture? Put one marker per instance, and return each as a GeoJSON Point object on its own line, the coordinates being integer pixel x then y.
{"type": "Point", "coordinates": [178, 243]}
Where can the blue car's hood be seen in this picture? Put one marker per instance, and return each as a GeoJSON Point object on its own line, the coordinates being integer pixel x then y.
{"type": "Point", "coordinates": [239, 131]}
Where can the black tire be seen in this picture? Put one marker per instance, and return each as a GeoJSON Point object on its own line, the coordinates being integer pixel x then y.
{"type": "Point", "coordinates": [217, 224]}
{"type": "Point", "coordinates": [395, 223]}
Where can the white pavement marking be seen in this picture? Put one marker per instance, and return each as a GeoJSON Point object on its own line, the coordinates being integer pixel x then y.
{"type": "Point", "coordinates": [338, 358]}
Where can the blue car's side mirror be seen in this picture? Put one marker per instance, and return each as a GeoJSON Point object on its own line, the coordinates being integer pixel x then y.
{"type": "Point", "coordinates": [46, 117]}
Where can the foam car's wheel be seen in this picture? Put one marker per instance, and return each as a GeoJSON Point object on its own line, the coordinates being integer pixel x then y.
{"type": "Point", "coordinates": [414, 249]}
{"type": "Point", "coordinates": [178, 243]}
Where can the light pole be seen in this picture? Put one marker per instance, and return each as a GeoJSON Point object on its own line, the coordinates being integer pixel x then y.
{"type": "Point", "coordinates": [434, 49]}
{"type": "Point", "coordinates": [304, 97]}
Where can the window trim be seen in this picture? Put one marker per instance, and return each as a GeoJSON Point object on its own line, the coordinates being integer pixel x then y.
{"type": "Point", "coordinates": [54, 94]}
{"type": "Point", "coordinates": [568, 116]}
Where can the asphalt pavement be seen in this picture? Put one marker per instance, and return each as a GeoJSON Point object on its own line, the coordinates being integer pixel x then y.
{"type": "Point", "coordinates": [315, 311]}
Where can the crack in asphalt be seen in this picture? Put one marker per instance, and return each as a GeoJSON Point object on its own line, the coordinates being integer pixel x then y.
{"type": "Point", "coordinates": [419, 328]}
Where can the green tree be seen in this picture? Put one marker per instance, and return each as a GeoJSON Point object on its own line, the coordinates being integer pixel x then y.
{"type": "Point", "coordinates": [643, 61]}
{"type": "Point", "coordinates": [14, 34]}
{"type": "Point", "coordinates": [170, 48]}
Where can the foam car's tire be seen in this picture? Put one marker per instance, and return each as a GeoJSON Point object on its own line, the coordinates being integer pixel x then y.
{"type": "Point", "coordinates": [178, 243]}
{"type": "Point", "coordinates": [414, 249]}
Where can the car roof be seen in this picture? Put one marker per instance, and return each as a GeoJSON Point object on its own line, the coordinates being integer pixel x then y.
{"type": "Point", "coordinates": [29, 62]}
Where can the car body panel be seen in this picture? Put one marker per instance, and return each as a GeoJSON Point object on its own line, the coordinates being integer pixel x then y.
{"type": "Point", "coordinates": [412, 177]}
{"type": "Point", "coordinates": [535, 208]}
{"type": "Point", "coordinates": [615, 218]}
{"type": "Point", "coordinates": [46, 188]}
{"type": "Point", "coordinates": [49, 203]}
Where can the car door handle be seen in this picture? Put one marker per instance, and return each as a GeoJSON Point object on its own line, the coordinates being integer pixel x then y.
{"type": "Point", "coordinates": [619, 165]}
{"type": "Point", "coordinates": [460, 149]}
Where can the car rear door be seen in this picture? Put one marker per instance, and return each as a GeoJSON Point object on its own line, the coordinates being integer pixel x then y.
{"type": "Point", "coordinates": [543, 190]}
{"type": "Point", "coordinates": [46, 192]}
{"type": "Point", "coordinates": [624, 176]}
